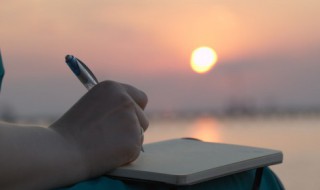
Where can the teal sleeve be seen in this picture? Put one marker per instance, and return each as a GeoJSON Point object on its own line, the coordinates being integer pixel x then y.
{"type": "Point", "coordinates": [240, 181]}
{"type": "Point", "coordinates": [101, 183]}
{"type": "Point", "coordinates": [1, 70]}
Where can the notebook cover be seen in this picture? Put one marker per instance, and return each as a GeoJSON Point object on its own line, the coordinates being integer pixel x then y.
{"type": "Point", "coordinates": [186, 162]}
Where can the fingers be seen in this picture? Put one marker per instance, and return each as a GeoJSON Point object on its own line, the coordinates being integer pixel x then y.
{"type": "Point", "coordinates": [137, 95]}
{"type": "Point", "coordinates": [144, 122]}
{"type": "Point", "coordinates": [141, 99]}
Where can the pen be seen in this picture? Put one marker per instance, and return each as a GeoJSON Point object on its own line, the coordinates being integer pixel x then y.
{"type": "Point", "coordinates": [84, 74]}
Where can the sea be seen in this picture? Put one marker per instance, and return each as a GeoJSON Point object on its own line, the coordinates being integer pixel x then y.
{"type": "Point", "coordinates": [297, 136]}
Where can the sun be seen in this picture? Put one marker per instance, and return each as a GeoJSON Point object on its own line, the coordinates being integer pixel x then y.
{"type": "Point", "coordinates": [203, 59]}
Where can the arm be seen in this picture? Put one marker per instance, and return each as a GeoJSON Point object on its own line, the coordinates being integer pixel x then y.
{"type": "Point", "coordinates": [33, 157]}
{"type": "Point", "coordinates": [100, 132]}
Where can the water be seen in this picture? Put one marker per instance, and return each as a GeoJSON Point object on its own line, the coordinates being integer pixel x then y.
{"type": "Point", "coordinates": [297, 137]}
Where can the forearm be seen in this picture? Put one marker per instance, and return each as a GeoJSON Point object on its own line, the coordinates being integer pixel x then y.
{"type": "Point", "coordinates": [100, 132]}
{"type": "Point", "coordinates": [37, 158]}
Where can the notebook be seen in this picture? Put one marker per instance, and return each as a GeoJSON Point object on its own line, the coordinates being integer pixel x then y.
{"type": "Point", "coordinates": [187, 161]}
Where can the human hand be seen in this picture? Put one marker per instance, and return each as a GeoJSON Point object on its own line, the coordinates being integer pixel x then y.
{"type": "Point", "coordinates": [104, 126]}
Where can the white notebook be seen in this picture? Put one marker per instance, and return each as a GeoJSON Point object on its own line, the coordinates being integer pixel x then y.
{"type": "Point", "coordinates": [186, 162]}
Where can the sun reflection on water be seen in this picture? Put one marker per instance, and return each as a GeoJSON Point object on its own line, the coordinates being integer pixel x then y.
{"type": "Point", "coordinates": [206, 129]}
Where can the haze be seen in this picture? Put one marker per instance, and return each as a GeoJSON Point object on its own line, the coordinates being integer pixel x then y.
{"type": "Point", "coordinates": [268, 52]}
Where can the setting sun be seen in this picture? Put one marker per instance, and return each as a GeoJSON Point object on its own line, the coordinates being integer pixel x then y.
{"type": "Point", "coordinates": [203, 59]}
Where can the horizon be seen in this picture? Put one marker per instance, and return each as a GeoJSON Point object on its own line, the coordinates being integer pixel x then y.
{"type": "Point", "coordinates": [267, 52]}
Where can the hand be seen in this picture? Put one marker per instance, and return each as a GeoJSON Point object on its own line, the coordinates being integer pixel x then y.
{"type": "Point", "coordinates": [105, 126]}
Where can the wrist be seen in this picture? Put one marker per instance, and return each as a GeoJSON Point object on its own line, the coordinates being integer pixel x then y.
{"type": "Point", "coordinates": [38, 158]}
{"type": "Point", "coordinates": [71, 166]}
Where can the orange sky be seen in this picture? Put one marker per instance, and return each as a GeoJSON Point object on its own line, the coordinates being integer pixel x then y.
{"type": "Point", "coordinates": [125, 40]}
{"type": "Point", "coordinates": [104, 29]}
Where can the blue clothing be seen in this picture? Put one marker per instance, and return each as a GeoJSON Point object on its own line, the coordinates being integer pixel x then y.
{"type": "Point", "coordinates": [240, 181]}
{"type": "Point", "coordinates": [1, 70]}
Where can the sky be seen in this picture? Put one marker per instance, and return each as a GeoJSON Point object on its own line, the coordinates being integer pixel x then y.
{"type": "Point", "coordinates": [268, 52]}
